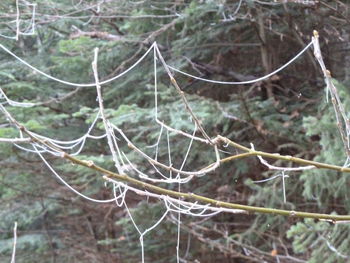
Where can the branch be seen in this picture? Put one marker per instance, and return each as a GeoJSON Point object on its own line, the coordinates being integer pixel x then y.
{"type": "Point", "coordinates": [343, 121]}
{"type": "Point", "coordinates": [301, 2]}
{"type": "Point", "coordinates": [153, 190]}
{"type": "Point", "coordinates": [194, 197]}
{"type": "Point", "coordinates": [203, 171]}
{"type": "Point", "coordinates": [181, 93]}
{"type": "Point", "coordinates": [159, 31]}
{"type": "Point", "coordinates": [250, 152]}
{"type": "Point", "coordinates": [14, 243]}
{"type": "Point", "coordinates": [190, 196]}
{"type": "Point", "coordinates": [105, 122]}
{"type": "Point", "coordinates": [224, 71]}
{"type": "Point", "coordinates": [97, 34]}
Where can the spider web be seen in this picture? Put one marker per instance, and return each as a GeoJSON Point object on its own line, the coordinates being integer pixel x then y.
{"type": "Point", "coordinates": [163, 172]}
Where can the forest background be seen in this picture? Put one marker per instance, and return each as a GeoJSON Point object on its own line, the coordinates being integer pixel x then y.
{"type": "Point", "coordinates": [238, 40]}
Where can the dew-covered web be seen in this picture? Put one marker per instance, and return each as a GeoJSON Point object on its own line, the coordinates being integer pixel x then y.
{"type": "Point", "coordinates": [163, 171]}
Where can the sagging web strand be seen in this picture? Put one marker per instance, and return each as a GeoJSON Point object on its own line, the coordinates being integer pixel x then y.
{"type": "Point", "coordinates": [120, 189]}
{"type": "Point", "coordinates": [153, 46]}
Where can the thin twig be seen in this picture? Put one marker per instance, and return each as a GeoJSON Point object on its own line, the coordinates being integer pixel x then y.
{"type": "Point", "coordinates": [17, 21]}
{"type": "Point", "coordinates": [14, 243]}
{"type": "Point", "coordinates": [182, 95]}
{"type": "Point", "coordinates": [343, 121]}
{"type": "Point", "coordinates": [105, 122]}
{"type": "Point", "coordinates": [250, 152]}
{"type": "Point", "coordinates": [149, 188]}
{"type": "Point", "coordinates": [169, 168]}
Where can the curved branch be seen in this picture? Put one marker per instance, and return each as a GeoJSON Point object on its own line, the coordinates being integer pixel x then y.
{"type": "Point", "coordinates": [199, 198]}
{"type": "Point", "coordinates": [191, 196]}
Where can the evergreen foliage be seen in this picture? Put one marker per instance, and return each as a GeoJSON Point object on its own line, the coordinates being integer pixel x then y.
{"type": "Point", "coordinates": [221, 40]}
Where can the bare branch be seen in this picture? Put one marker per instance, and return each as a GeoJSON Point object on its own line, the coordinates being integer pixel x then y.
{"type": "Point", "coordinates": [343, 121]}
{"type": "Point", "coordinates": [13, 258]}
{"type": "Point", "coordinates": [105, 122]}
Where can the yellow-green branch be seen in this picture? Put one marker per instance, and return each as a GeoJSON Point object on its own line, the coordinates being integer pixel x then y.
{"type": "Point", "coordinates": [251, 152]}
{"type": "Point", "coordinates": [194, 197]}
{"type": "Point", "coordinates": [202, 199]}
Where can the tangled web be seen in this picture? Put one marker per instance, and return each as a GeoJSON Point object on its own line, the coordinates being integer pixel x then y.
{"type": "Point", "coordinates": [163, 172]}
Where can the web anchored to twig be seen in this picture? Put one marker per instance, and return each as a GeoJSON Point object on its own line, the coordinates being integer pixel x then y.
{"type": "Point", "coordinates": [167, 172]}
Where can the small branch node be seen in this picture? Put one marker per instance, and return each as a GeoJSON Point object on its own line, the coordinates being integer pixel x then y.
{"type": "Point", "coordinates": [89, 163]}
{"type": "Point", "coordinates": [289, 157]}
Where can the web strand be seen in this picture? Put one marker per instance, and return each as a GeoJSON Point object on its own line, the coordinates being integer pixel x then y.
{"type": "Point", "coordinates": [123, 163]}
{"type": "Point", "coordinates": [248, 81]}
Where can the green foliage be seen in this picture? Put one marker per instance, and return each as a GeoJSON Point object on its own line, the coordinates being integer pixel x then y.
{"type": "Point", "coordinates": [208, 39]}
{"type": "Point", "coordinates": [328, 241]}
{"type": "Point", "coordinates": [29, 243]}
{"type": "Point", "coordinates": [322, 240]}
